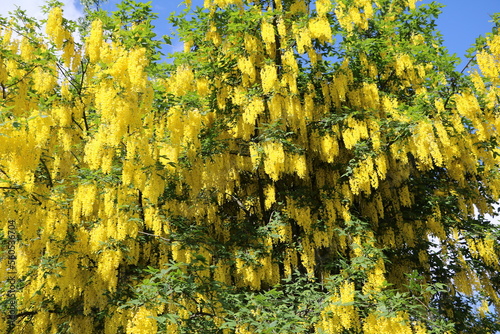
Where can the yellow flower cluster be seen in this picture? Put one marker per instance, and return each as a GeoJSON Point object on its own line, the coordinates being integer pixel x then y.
{"type": "Point", "coordinates": [355, 131]}
{"type": "Point", "coordinates": [364, 176]}
{"type": "Point", "coordinates": [270, 194]}
{"type": "Point", "coordinates": [54, 27]}
{"type": "Point", "coordinates": [269, 77]}
{"type": "Point", "coordinates": [484, 249]}
{"type": "Point", "coordinates": [376, 279]}
{"type": "Point", "coordinates": [143, 322]}
{"type": "Point", "coordinates": [356, 15]}
{"type": "Point", "coordinates": [398, 324]}
{"type": "Point", "coordinates": [303, 37]}
{"type": "Point", "coordinates": [274, 162]}
{"type": "Point", "coordinates": [323, 7]}
{"type": "Point", "coordinates": [320, 29]}
{"type": "Point", "coordinates": [426, 146]}
{"type": "Point", "coordinates": [248, 70]}
{"type": "Point", "coordinates": [222, 3]}
{"type": "Point", "coordinates": [488, 64]}
{"type": "Point", "coordinates": [94, 41]}
{"type": "Point", "coordinates": [253, 275]}
{"type": "Point", "coordinates": [329, 147]}
{"type": "Point", "coordinates": [340, 313]}
{"type": "Point", "coordinates": [268, 35]}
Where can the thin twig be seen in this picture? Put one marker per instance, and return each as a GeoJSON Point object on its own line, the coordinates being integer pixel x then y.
{"type": "Point", "coordinates": [454, 90]}
{"type": "Point", "coordinates": [75, 157]}
{"type": "Point", "coordinates": [74, 120]}
{"type": "Point", "coordinates": [2, 171]}
{"type": "Point", "coordinates": [155, 235]}
{"type": "Point", "coordinates": [51, 184]}
{"type": "Point", "coordinates": [467, 65]}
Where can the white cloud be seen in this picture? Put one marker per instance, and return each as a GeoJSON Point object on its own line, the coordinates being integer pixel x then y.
{"type": "Point", "coordinates": [494, 220]}
{"type": "Point", "coordinates": [33, 8]}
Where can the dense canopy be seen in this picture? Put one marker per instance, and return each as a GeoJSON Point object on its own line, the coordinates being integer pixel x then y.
{"type": "Point", "coordinates": [301, 167]}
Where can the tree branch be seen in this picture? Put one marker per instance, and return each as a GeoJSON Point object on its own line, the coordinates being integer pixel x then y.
{"type": "Point", "coordinates": [51, 184]}
{"type": "Point", "coordinates": [155, 235]}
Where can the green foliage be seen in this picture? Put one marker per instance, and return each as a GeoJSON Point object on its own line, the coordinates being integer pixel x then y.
{"type": "Point", "coordinates": [380, 238]}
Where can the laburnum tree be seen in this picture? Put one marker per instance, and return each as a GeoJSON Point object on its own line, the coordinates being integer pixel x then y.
{"type": "Point", "coordinates": [301, 167]}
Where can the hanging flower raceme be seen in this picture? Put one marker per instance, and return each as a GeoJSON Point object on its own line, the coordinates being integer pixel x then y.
{"type": "Point", "coordinates": [291, 171]}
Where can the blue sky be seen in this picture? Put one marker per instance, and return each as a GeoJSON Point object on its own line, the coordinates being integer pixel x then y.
{"type": "Point", "coordinates": [461, 21]}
